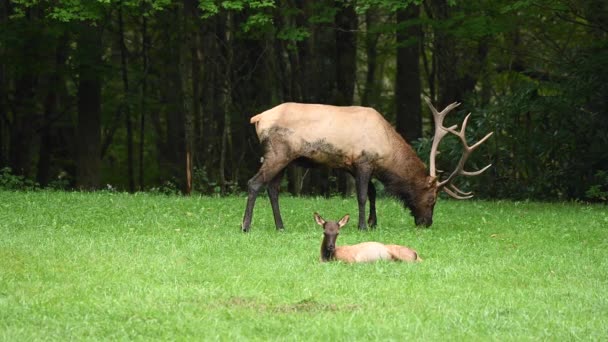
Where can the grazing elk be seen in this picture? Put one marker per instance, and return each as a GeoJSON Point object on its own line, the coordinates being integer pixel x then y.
{"type": "Point", "coordinates": [360, 141]}
{"type": "Point", "coordinates": [362, 252]}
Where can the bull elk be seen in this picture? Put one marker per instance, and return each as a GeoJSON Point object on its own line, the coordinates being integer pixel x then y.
{"type": "Point", "coordinates": [360, 141]}
{"type": "Point", "coordinates": [362, 252]}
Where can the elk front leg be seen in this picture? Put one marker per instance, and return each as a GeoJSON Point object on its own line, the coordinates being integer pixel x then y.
{"type": "Point", "coordinates": [372, 221]}
{"type": "Point", "coordinates": [268, 171]}
{"type": "Point", "coordinates": [363, 176]}
{"type": "Point", "coordinates": [253, 185]}
{"type": "Point", "coordinates": [273, 194]}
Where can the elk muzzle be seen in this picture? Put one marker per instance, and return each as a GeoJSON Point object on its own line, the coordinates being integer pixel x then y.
{"type": "Point", "coordinates": [423, 221]}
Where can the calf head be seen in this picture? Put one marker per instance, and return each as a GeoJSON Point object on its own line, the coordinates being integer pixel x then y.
{"type": "Point", "coordinates": [331, 229]}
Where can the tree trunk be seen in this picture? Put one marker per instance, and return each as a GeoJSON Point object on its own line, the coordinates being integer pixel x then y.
{"type": "Point", "coordinates": [24, 107]}
{"type": "Point", "coordinates": [346, 55]}
{"type": "Point", "coordinates": [194, 140]}
{"type": "Point", "coordinates": [4, 122]}
{"type": "Point", "coordinates": [175, 114]}
{"type": "Point", "coordinates": [346, 71]}
{"type": "Point", "coordinates": [370, 91]}
{"type": "Point", "coordinates": [88, 140]}
{"type": "Point", "coordinates": [212, 117]}
{"type": "Point", "coordinates": [318, 56]}
{"type": "Point", "coordinates": [23, 128]}
{"type": "Point", "coordinates": [145, 42]}
{"type": "Point", "coordinates": [407, 84]}
{"type": "Point", "coordinates": [51, 103]}
{"type": "Point", "coordinates": [127, 105]}
{"type": "Point", "coordinates": [288, 74]}
{"type": "Point", "coordinates": [227, 101]}
{"type": "Point", "coordinates": [445, 59]}
{"type": "Point", "coordinates": [458, 62]}
{"type": "Point", "coordinates": [190, 69]}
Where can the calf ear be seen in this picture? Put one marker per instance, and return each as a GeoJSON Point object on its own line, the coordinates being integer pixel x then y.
{"type": "Point", "coordinates": [319, 219]}
{"type": "Point", "coordinates": [343, 221]}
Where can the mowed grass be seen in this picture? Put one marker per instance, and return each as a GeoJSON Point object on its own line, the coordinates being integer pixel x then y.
{"type": "Point", "coordinates": [90, 266]}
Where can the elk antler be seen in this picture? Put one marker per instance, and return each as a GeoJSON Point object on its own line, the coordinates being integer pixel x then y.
{"type": "Point", "coordinates": [440, 132]}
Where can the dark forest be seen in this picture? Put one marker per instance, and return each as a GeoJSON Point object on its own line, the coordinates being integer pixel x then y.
{"type": "Point", "coordinates": [156, 95]}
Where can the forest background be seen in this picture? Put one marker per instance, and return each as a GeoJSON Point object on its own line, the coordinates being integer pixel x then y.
{"type": "Point", "coordinates": [156, 95]}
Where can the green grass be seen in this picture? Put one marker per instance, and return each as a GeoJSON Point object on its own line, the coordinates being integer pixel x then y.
{"type": "Point", "coordinates": [120, 267]}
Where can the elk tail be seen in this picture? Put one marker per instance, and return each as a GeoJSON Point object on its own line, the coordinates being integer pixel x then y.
{"type": "Point", "coordinates": [255, 118]}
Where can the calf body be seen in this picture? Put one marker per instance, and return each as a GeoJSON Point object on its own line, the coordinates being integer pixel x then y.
{"type": "Point", "coordinates": [374, 251]}
{"type": "Point", "coordinates": [362, 252]}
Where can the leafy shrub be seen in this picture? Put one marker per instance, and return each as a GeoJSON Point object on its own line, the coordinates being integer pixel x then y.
{"type": "Point", "coordinates": [10, 181]}
{"type": "Point", "coordinates": [599, 192]}
{"type": "Point", "coordinates": [166, 188]}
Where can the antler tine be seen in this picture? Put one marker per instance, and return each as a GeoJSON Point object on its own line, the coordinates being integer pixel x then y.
{"type": "Point", "coordinates": [440, 131]}
{"type": "Point", "coordinates": [475, 173]}
{"type": "Point", "coordinates": [465, 155]}
{"type": "Point", "coordinates": [467, 193]}
{"type": "Point", "coordinates": [455, 195]}
{"type": "Point", "coordinates": [438, 116]}
{"type": "Point", "coordinates": [481, 141]}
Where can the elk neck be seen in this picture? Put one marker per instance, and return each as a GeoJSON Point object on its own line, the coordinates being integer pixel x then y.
{"type": "Point", "coordinates": [326, 253]}
{"type": "Point", "coordinates": [405, 175]}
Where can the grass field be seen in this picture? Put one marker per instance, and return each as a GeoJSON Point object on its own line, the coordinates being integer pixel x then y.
{"type": "Point", "coordinates": [90, 266]}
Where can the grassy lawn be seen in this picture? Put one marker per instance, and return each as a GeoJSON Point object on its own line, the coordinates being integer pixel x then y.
{"type": "Point", "coordinates": [115, 266]}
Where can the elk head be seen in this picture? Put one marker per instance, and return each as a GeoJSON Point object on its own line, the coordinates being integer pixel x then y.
{"type": "Point", "coordinates": [331, 229]}
{"type": "Point", "coordinates": [423, 213]}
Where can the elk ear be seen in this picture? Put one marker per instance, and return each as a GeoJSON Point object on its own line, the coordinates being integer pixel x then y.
{"type": "Point", "coordinates": [343, 220]}
{"type": "Point", "coordinates": [319, 219]}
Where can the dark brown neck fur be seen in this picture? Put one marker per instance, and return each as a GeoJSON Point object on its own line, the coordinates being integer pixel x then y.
{"type": "Point", "coordinates": [405, 175]}
{"type": "Point", "coordinates": [326, 255]}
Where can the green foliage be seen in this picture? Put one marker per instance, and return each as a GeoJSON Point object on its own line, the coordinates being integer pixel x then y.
{"type": "Point", "coordinates": [599, 192]}
{"type": "Point", "coordinates": [362, 6]}
{"type": "Point", "coordinates": [142, 267]}
{"type": "Point", "coordinates": [82, 10]}
{"type": "Point", "coordinates": [166, 188]}
{"type": "Point", "coordinates": [204, 184]}
{"type": "Point", "coordinates": [10, 181]}
{"type": "Point", "coordinates": [322, 13]}
{"type": "Point", "coordinates": [551, 134]}
{"type": "Point", "coordinates": [296, 34]}
{"type": "Point", "coordinates": [61, 183]}
{"type": "Point", "coordinates": [208, 8]}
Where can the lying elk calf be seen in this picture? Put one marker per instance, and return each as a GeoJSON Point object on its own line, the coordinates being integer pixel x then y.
{"type": "Point", "coordinates": [360, 141]}
{"type": "Point", "coordinates": [362, 252]}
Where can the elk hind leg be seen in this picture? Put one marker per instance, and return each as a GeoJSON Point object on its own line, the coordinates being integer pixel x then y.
{"type": "Point", "coordinates": [403, 253]}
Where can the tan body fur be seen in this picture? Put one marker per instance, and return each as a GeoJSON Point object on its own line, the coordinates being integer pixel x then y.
{"type": "Point", "coordinates": [361, 133]}
{"type": "Point", "coordinates": [374, 251]}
